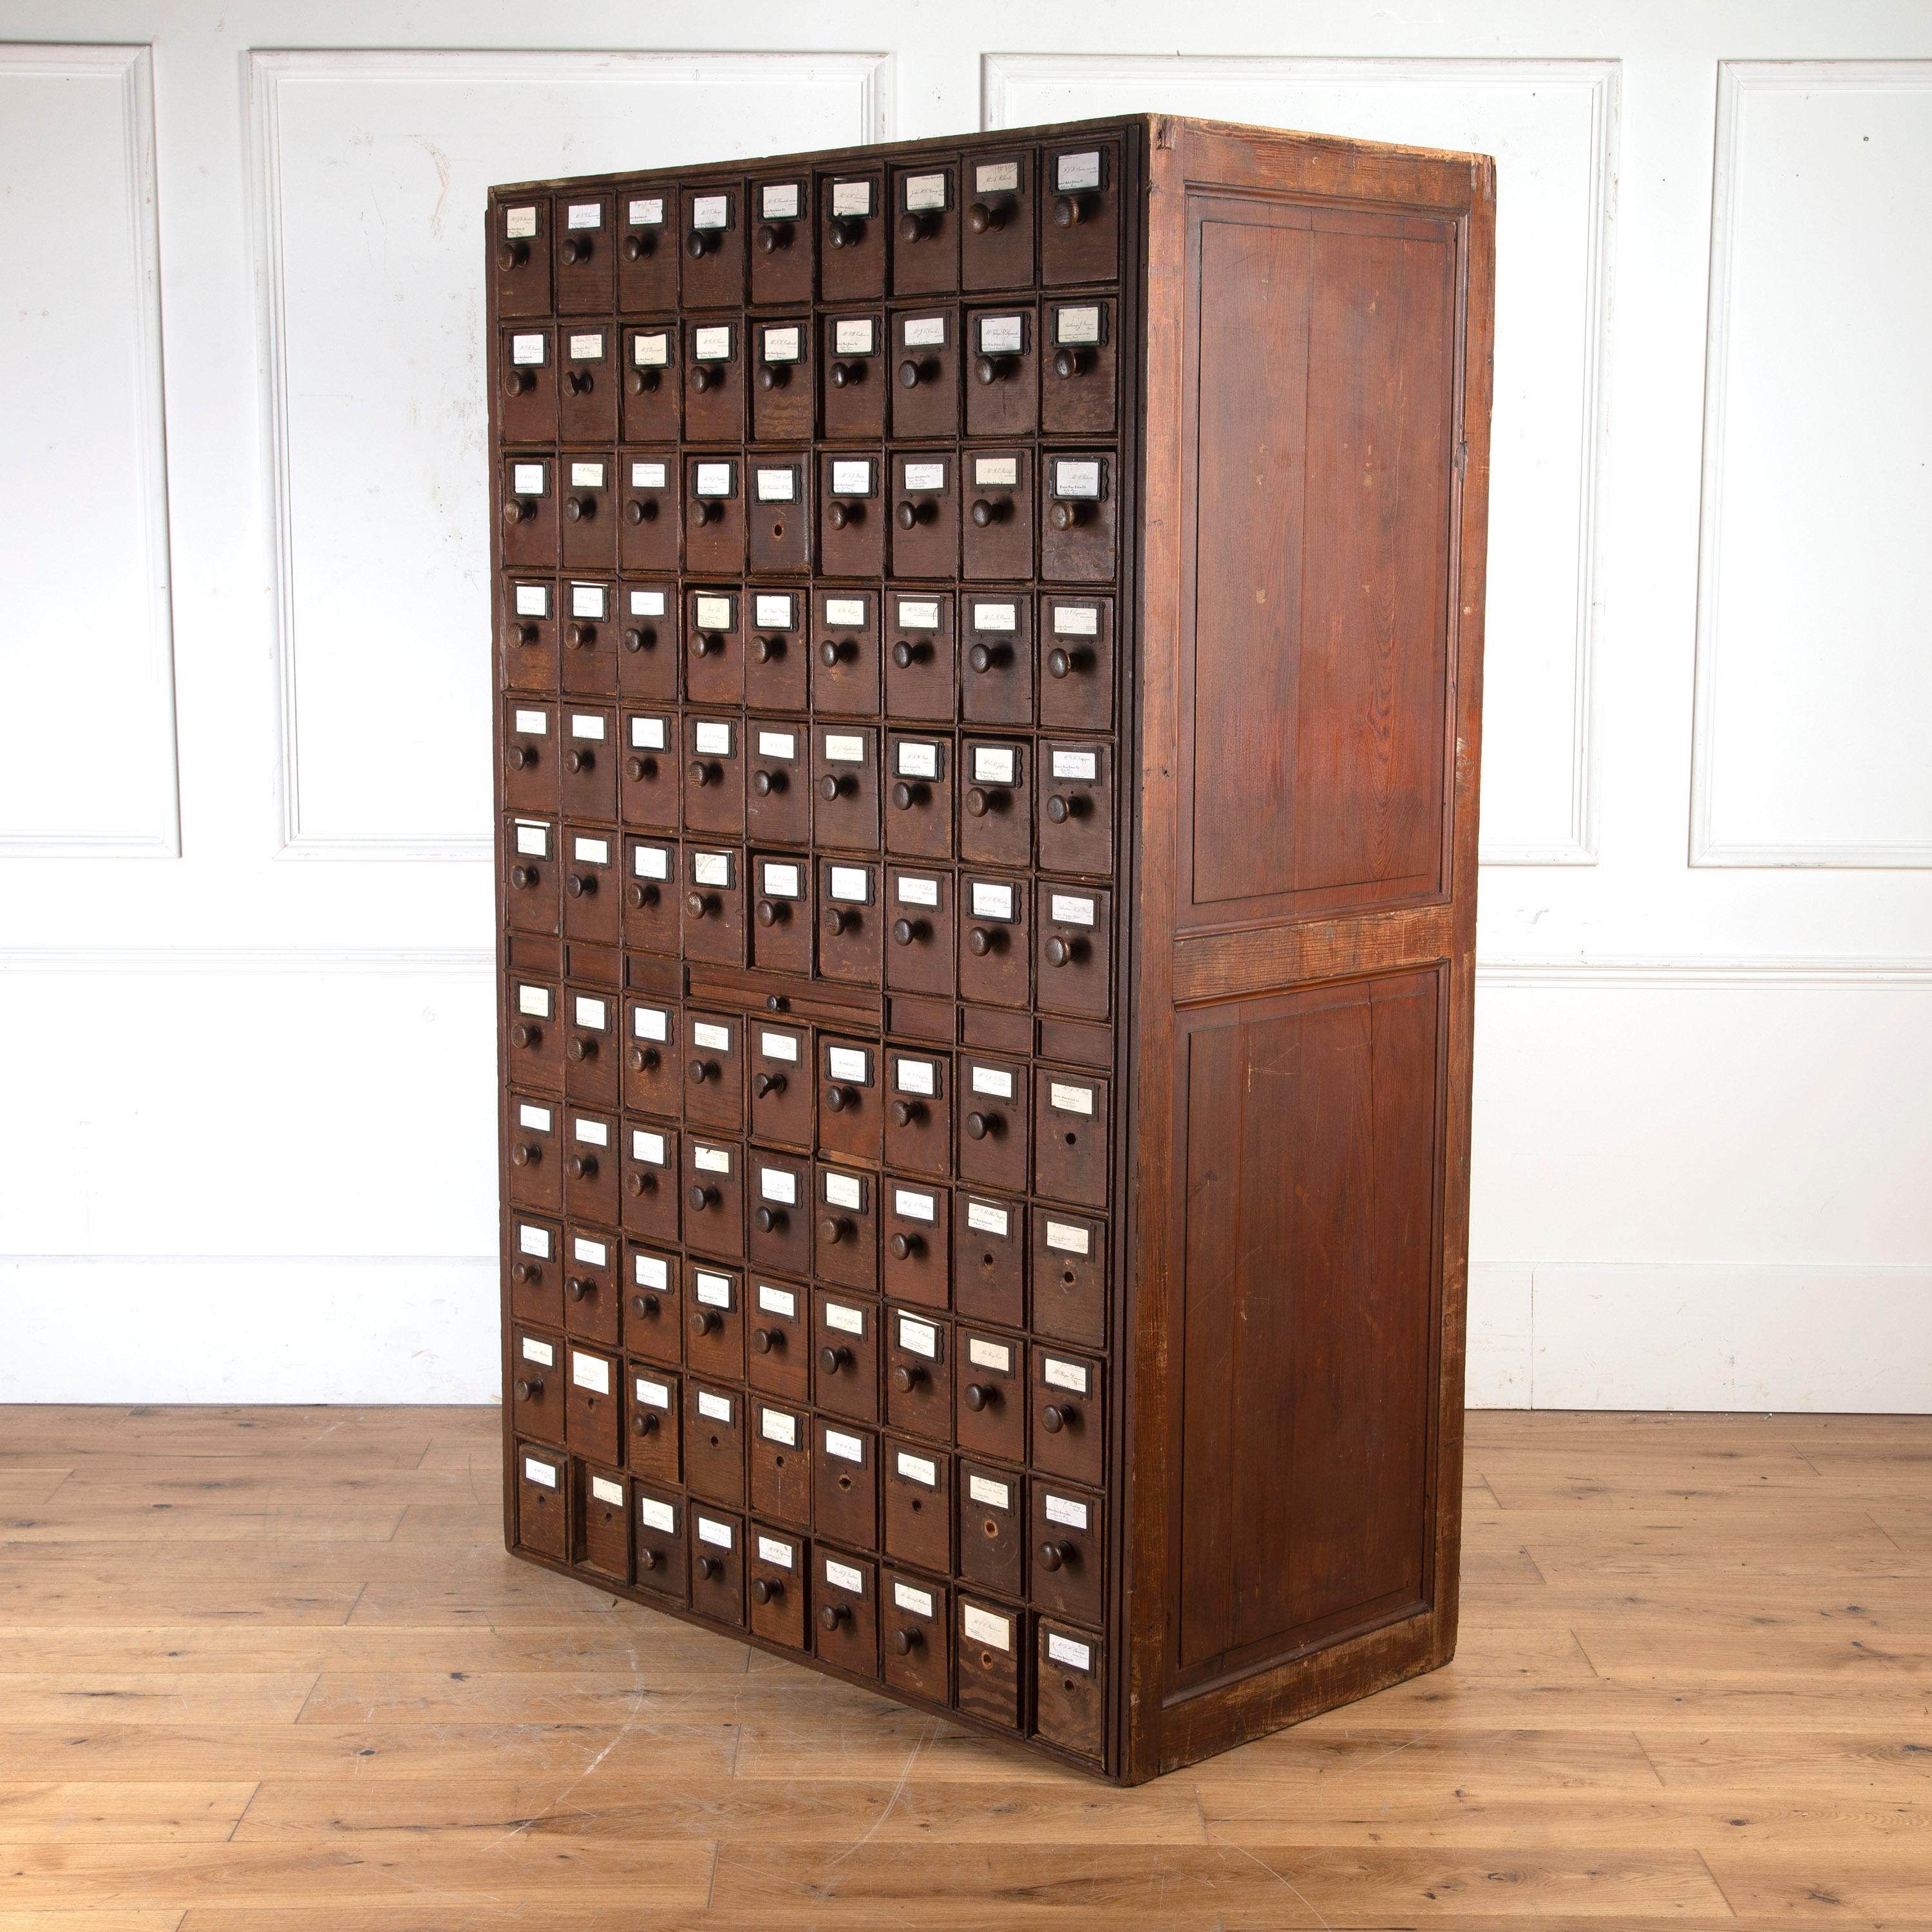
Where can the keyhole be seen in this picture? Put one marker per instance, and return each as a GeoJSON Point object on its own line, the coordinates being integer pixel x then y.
{"type": "Point", "coordinates": [779, 1461]}
{"type": "Point", "coordinates": [778, 529]}
{"type": "Point", "coordinates": [1072, 1138]}
{"type": "Point", "coordinates": [986, 1660]}
{"type": "Point", "coordinates": [990, 1527]}
{"type": "Point", "coordinates": [1066, 1684]}
{"type": "Point", "coordinates": [714, 1440]}
{"type": "Point", "coordinates": [845, 1482]}
{"type": "Point", "coordinates": [986, 1261]}
{"type": "Point", "coordinates": [1066, 1277]}
{"type": "Point", "coordinates": [917, 1505]}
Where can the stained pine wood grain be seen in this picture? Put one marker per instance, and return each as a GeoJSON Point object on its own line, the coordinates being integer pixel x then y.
{"type": "Point", "coordinates": [1692, 1692]}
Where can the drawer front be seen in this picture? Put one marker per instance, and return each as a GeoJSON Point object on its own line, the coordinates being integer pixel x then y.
{"type": "Point", "coordinates": [775, 660]}
{"type": "Point", "coordinates": [593, 1152]}
{"type": "Point", "coordinates": [713, 925]}
{"type": "Point", "coordinates": [714, 221]}
{"type": "Point", "coordinates": [655, 1402]}
{"type": "Point", "coordinates": [714, 776]}
{"type": "Point", "coordinates": [592, 907]}
{"type": "Point", "coordinates": [713, 1179]}
{"type": "Point", "coordinates": [530, 757]}
{"type": "Point", "coordinates": [1080, 377]}
{"type": "Point", "coordinates": [536, 1152]}
{"type": "Point", "coordinates": [925, 371]}
{"type": "Point", "coordinates": [647, 642]}
{"type": "Point", "coordinates": [853, 509]}
{"type": "Point", "coordinates": [715, 1320]}
{"type": "Point", "coordinates": [779, 806]}
{"type": "Point", "coordinates": [653, 384]}
{"type": "Point", "coordinates": [988, 1259]}
{"type": "Point", "coordinates": [526, 380]}
{"type": "Point", "coordinates": [1080, 223]}
{"type": "Point", "coordinates": [996, 242]}
{"type": "Point", "coordinates": [1079, 535]}
{"type": "Point", "coordinates": [989, 1382]}
{"type": "Point", "coordinates": [592, 1060]}
{"type": "Point", "coordinates": [779, 1473]}
{"type": "Point", "coordinates": [537, 1403]}
{"type": "Point", "coordinates": [533, 894]}
{"type": "Point", "coordinates": [714, 651]}
{"type": "Point", "coordinates": [919, 1112]}
{"type": "Point", "coordinates": [714, 380]}
{"type": "Point", "coordinates": [1003, 353]}
{"type": "Point", "coordinates": [653, 900]}
{"type": "Point", "coordinates": [845, 1354]}
{"type": "Point", "coordinates": [1001, 522]}
{"type": "Point", "coordinates": [851, 921]}
{"type": "Point", "coordinates": [926, 219]}
{"type": "Point", "coordinates": [853, 213]}
{"type": "Point", "coordinates": [1068, 1413]}
{"type": "Point", "coordinates": [852, 390]}
{"type": "Point", "coordinates": [647, 250]}
{"type": "Point", "coordinates": [778, 1338]}
{"type": "Point", "coordinates": [590, 663]}
{"type": "Point", "coordinates": [1075, 950]}
{"type": "Point", "coordinates": [602, 1506]}
{"type": "Point", "coordinates": [779, 212]}
{"type": "Point", "coordinates": [717, 1545]}
{"type": "Point", "coordinates": [649, 528]}
{"type": "Point", "coordinates": [1075, 782]}
{"type": "Point", "coordinates": [994, 1123]}
{"type": "Point", "coordinates": [845, 1241]}
{"type": "Point", "coordinates": [1072, 1150]}
{"type": "Point", "coordinates": [543, 1502]}
{"type": "Point", "coordinates": [780, 1235]}
{"type": "Point", "coordinates": [919, 1374]}
{"type": "Point", "coordinates": [714, 1070]}
{"type": "Point", "coordinates": [534, 1035]}
{"type": "Point", "coordinates": [917, 1635]}
{"type": "Point", "coordinates": [921, 940]}
{"type": "Point", "coordinates": [784, 379]}
{"type": "Point", "coordinates": [1067, 1546]}
{"type": "Point", "coordinates": [846, 1589]}
{"type": "Point", "coordinates": [776, 1568]}
{"type": "Point", "coordinates": [585, 268]}
{"type": "Point", "coordinates": [845, 653]}
{"type": "Point", "coordinates": [1077, 655]}
{"type": "Point", "coordinates": [714, 513]}
{"type": "Point", "coordinates": [530, 634]}
{"type": "Point", "coordinates": [654, 1080]}
{"type": "Point", "coordinates": [1068, 1677]}
{"type": "Point", "coordinates": [714, 1440]}
{"type": "Point", "coordinates": [588, 483]}
{"type": "Point", "coordinates": [845, 787]}
{"type": "Point", "coordinates": [996, 659]}
{"type": "Point", "coordinates": [918, 780]}
{"type": "Point", "coordinates": [918, 1505]}
{"type": "Point", "coordinates": [661, 1541]}
{"type": "Point", "coordinates": [919, 655]}
{"type": "Point", "coordinates": [992, 1526]}
{"type": "Point", "coordinates": [530, 519]}
{"type": "Point", "coordinates": [1069, 1276]}
{"type": "Point", "coordinates": [851, 1109]}
{"type": "Point", "coordinates": [533, 1269]}
{"type": "Point", "coordinates": [653, 1303]}
{"type": "Point", "coordinates": [989, 1660]}
{"type": "Point", "coordinates": [845, 1482]}
{"type": "Point", "coordinates": [592, 1290]}
{"type": "Point", "coordinates": [995, 940]}
{"type": "Point", "coordinates": [995, 801]}
{"type": "Point", "coordinates": [782, 1089]}
{"type": "Point", "coordinates": [916, 1260]}
{"type": "Point", "coordinates": [925, 488]}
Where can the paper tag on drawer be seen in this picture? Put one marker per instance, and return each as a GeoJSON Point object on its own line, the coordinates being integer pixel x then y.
{"type": "Point", "coordinates": [782, 882]}
{"type": "Point", "coordinates": [1002, 334]}
{"type": "Point", "coordinates": [526, 349]}
{"type": "Point", "coordinates": [914, 1076]}
{"type": "Point", "coordinates": [1068, 764]}
{"type": "Point", "coordinates": [843, 748]}
{"type": "Point", "coordinates": [782, 345]}
{"type": "Point", "coordinates": [996, 472]}
{"type": "Point", "coordinates": [1067, 1509]}
{"type": "Point", "coordinates": [997, 178]}
{"type": "Point", "coordinates": [648, 603]}
{"type": "Point", "coordinates": [591, 1254]}
{"type": "Point", "coordinates": [850, 884]}
{"type": "Point", "coordinates": [924, 331]}
{"type": "Point", "coordinates": [651, 862]}
{"type": "Point", "coordinates": [852, 198]}
{"type": "Point", "coordinates": [777, 201]}
{"type": "Point", "coordinates": [776, 1184]}
{"type": "Point", "coordinates": [591, 1371]}
{"type": "Point", "coordinates": [653, 1395]}
{"type": "Point", "coordinates": [842, 1190]}
{"type": "Point", "coordinates": [918, 759]}
{"type": "Point", "coordinates": [715, 479]}
{"type": "Point", "coordinates": [853, 336]}
{"type": "Point", "coordinates": [711, 1160]}
{"type": "Point", "coordinates": [985, 1354]}
{"type": "Point", "coordinates": [994, 617]}
{"type": "Point", "coordinates": [655, 1515]}
{"type": "Point", "coordinates": [779, 1046]}
{"type": "Point", "coordinates": [984, 1489]}
{"type": "Point", "coordinates": [913, 891]}
{"type": "Point", "coordinates": [1063, 1650]}
{"type": "Point", "coordinates": [520, 224]}
{"type": "Point", "coordinates": [713, 1290]}
{"type": "Point", "coordinates": [992, 901]}
{"type": "Point", "coordinates": [988, 1218]}
{"type": "Point", "coordinates": [585, 215]}
{"type": "Point", "coordinates": [528, 479]}
{"type": "Point", "coordinates": [603, 1490]}
{"type": "Point", "coordinates": [541, 1353]}
{"type": "Point", "coordinates": [586, 600]}
{"type": "Point", "coordinates": [592, 851]}
{"type": "Point", "coordinates": [711, 869]}
{"type": "Point", "coordinates": [706, 1033]}
{"type": "Point", "coordinates": [994, 764]}
{"type": "Point", "coordinates": [714, 1408]}
{"type": "Point", "coordinates": [652, 350]}
{"type": "Point", "coordinates": [776, 486]}
{"type": "Point", "coordinates": [647, 213]}
{"type": "Point", "coordinates": [906, 1598]}
{"type": "Point", "coordinates": [533, 1240]}
{"type": "Point", "coordinates": [1076, 478]}
{"type": "Point", "coordinates": [532, 600]}
{"type": "Point", "coordinates": [647, 1147]}
{"type": "Point", "coordinates": [1070, 909]}
{"type": "Point", "coordinates": [647, 476]}
{"type": "Point", "coordinates": [714, 613]}
{"type": "Point", "coordinates": [709, 1531]}
{"type": "Point", "coordinates": [1068, 1099]}
{"type": "Point", "coordinates": [844, 1576]}
{"type": "Point", "coordinates": [775, 1426]}
{"type": "Point", "coordinates": [710, 211]}
{"type": "Point", "coordinates": [925, 192]}
{"type": "Point", "coordinates": [647, 734]}
{"type": "Point", "coordinates": [540, 1472]}
{"type": "Point", "coordinates": [914, 1206]}
{"type": "Point", "coordinates": [777, 1300]}
{"type": "Point", "coordinates": [534, 1001]}
{"type": "Point", "coordinates": [650, 1023]}
{"type": "Point", "coordinates": [771, 1550]}
{"type": "Point", "coordinates": [852, 478]}
{"type": "Point", "coordinates": [782, 745]}
{"type": "Point", "coordinates": [920, 1469]}
{"type": "Point", "coordinates": [846, 1321]}
{"type": "Point", "coordinates": [918, 615]}
{"type": "Point", "coordinates": [994, 1080]}
{"type": "Point", "coordinates": [773, 612]}
{"type": "Point", "coordinates": [925, 476]}
{"type": "Point", "coordinates": [1067, 1239]}
{"type": "Point", "coordinates": [982, 1627]}
{"type": "Point", "coordinates": [848, 1062]}
{"type": "Point", "coordinates": [1072, 172]}
{"type": "Point", "coordinates": [536, 1118]}
{"type": "Point", "coordinates": [848, 612]}
{"type": "Point", "coordinates": [847, 1448]}
{"type": "Point", "coordinates": [1076, 620]}
{"type": "Point", "coordinates": [922, 1338]}
{"type": "Point", "coordinates": [1075, 326]}
{"type": "Point", "coordinates": [651, 1271]}
{"type": "Point", "coordinates": [589, 724]}
{"type": "Point", "coordinates": [586, 349]}
{"type": "Point", "coordinates": [593, 1133]}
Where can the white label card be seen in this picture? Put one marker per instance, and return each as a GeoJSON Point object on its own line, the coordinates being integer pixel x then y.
{"type": "Point", "coordinates": [541, 1353]}
{"type": "Point", "coordinates": [711, 869]}
{"type": "Point", "coordinates": [651, 1270]}
{"type": "Point", "coordinates": [778, 1046]}
{"type": "Point", "coordinates": [647, 1147]}
{"type": "Point", "coordinates": [1069, 764]}
{"type": "Point", "coordinates": [533, 1240]}
{"type": "Point", "coordinates": [1075, 325]}
{"type": "Point", "coordinates": [710, 211]}
{"type": "Point", "coordinates": [1063, 1650]}
{"type": "Point", "coordinates": [648, 213]}
{"type": "Point", "coordinates": [648, 603]}
{"type": "Point", "coordinates": [984, 1354]}
{"type": "Point", "coordinates": [846, 1321]}
{"type": "Point", "coordinates": [587, 348]}
{"type": "Point", "coordinates": [842, 1190]}
{"type": "Point", "coordinates": [1078, 478]}
{"type": "Point", "coordinates": [905, 1597]}
{"type": "Point", "coordinates": [540, 1472]}
{"type": "Point", "coordinates": [924, 331]}
{"type": "Point", "coordinates": [713, 1290]}
{"type": "Point", "coordinates": [1064, 1375]}
{"type": "Point", "coordinates": [773, 610]}
{"type": "Point", "coordinates": [647, 476]}
{"type": "Point", "coordinates": [520, 224]}
{"type": "Point", "coordinates": [592, 1013]}
{"type": "Point", "coordinates": [714, 1408]}
{"type": "Point", "coordinates": [848, 1062]}
{"type": "Point", "coordinates": [925, 475]}
{"type": "Point", "coordinates": [1072, 172]}
{"type": "Point", "coordinates": [532, 600]}
{"type": "Point", "coordinates": [537, 723]}
{"type": "Point", "coordinates": [1002, 334]}
{"type": "Point", "coordinates": [527, 479]}
{"type": "Point", "coordinates": [921, 1337]}
{"type": "Point", "coordinates": [777, 1300]}
{"type": "Point", "coordinates": [603, 1490]}
{"type": "Point", "coordinates": [651, 349]}
{"type": "Point", "coordinates": [994, 1080]}
{"type": "Point", "coordinates": [849, 612]}
{"type": "Point", "coordinates": [994, 764]}
{"type": "Point", "coordinates": [714, 613]}
{"type": "Point", "coordinates": [1070, 909]}
{"type": "Point", "coordinates": [994, 617]}
{"type": "Point", "coordinates": [982, 1627]}
{"type": "Point", "coordinates": [591, 1371]}
{"type": "Point", "coordinates": [587, 724]}
{"type": "Point", "coordinates": [918, 892]}
{"type": "Point", "coordinates": [591, 1133]}
{"type": "Point", "coordinates": [992, 901]}
{"type": "Point", "coordinates": [771, 1550]}
{"type": "Point", "coordinates": [777, 201]}
{"type": "Point", "coordinates": [710, 1531]}
{"type": "Point", "coordinates": [526, 349]}
{"type": "Point", "coordinates": [777, 486]}
{"type": "Point", "coordinates": [1076, 620]}
{"type": "Point", "coordinates": [996, 472]}
{"type": "Point", "coordinates": [652, 1395]}
{"type": "Point", "coordinates": [984, 1489]}
{"type": "Point", "coordinates": [586, 214]}
{"type": "Point", "coordinates": [776, 1184]}
{"type": "Point", "coordinates": [534, 1001]}
{"type": "Point", "coordinates": [914, 1206]}
{"type": "Point", "coordinates": [714, 479]}
{"type": "Point", "coordinates": [997, 178]}
{"type": "Point", "coordinates": [852, 336]}
{"type": "Point", "coordinates": [777, 745]}
{"type": "Point", "coordinates": [920, 1468]}
{"type": "Point", "coordinates": [586, 475]}
{"type": "Point", "coordinates": [1067, 1509]}
{"type": "Point", "coordinates": [782, 882]}
{"type": "Point", "coordinates": [537, 1118]}
{"type": "Point", "coordinates": [924, 191]}
{"type": "Point", "coordinates": [852, 199]}
{"type": "Point", "coordinates": [592, 851]}
{"type": "Point", "coordinates": [844, 1576]}
{"type": "Point", "coordinates": [774, 1426]}
{"type": "Point", "coordinates": [713, 737]}
{"type": "Point", "coordinates": [1071, 1100]}
{"type": "Point", "coordinates": [533, 841]}
{"type": "Point", "coordinates": [650, 1023]}
{"type": "Point", "coordinates": [918, 615]}
{"type": "Point", "coordinates": [713, 344]}
{"type": "Point", "coordinates": [918, 760]}
{"type": "Point", "coordinates": [1068, 1239]}
{"type": "Point", "coordinates": [647, 734]}
{"type": "Point", "coordinates": [847, 1448]}
{"type": "Point", "coordinates": [782, 345]}
{"type": "Point", "coordinates": [914, 1076]}
{"type": "Point", "coordinates": [849, 883]}
{"type": "Point", "coordinates": [988, 1219]}
{"type": "Point", "coordinates": [710, 1160]}
{"type": "Point", "coordinates": [655, 1515]}
{"type": "Point", "coordinates": [586, 600]}
{"type": "Point", "coordinates": [852, 478]}
{"type": "Point", "coordinates": [844, 749]}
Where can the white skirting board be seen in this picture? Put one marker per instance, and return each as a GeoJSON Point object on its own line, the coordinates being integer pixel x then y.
{"type": "Point", "coordinates": [177, 1328]}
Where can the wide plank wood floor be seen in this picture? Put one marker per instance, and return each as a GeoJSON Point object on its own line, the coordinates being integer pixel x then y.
{"type": "Point", "coordinates": [272, 1668]}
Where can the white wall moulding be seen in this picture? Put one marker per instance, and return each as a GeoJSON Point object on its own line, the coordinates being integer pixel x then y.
{"type": "Point", "coordinates": [84, 489]}
{"type": "Point", "coordinates": [369, 172]}
{"type": "Point", "coordinates": [423, 1328]}
{"type": "Point", "coordinates": [1814, 680]}
{"type": "Point", "coordinates": [1552, 125]}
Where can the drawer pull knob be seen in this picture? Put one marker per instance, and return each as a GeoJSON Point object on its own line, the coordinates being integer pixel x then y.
{"type": "Point", "coordinates": [910, 513]}
{"type": "Point", "coordinates": [637, 1183]}
{"type": "Point", "coordinates": [528, 1387]}
{"type": "Point", "coordinates": [578, 762]}
{"type": "Point", "coordinates": [1063, 663]}
{"type": "Point", "coordinates": [981, 1396]}
{"type": "Point", "coordinates": [980, 800]}
{"type": "Point", "coordinates": [704, 512]}
{"type": "Point", "coordinates": [988, 369]}
{"type": "Point", "coordinates": [697, 904]}
{"type": "Point", "coordinates": [580, 636]}
{"type": "Point", "coordinates": [833, 1229]}
{"type": "Point", "coordinates": [644, 1059]}
{"type": "Point", "coordinates": [905, 1112]}
{"type": "Point", "coordinates": [703, 773]}
{"type": "Point", "coordinates": [521, 758]}
{"type": "Point", "coordinates": [579, 509]}
{"type": "Point", "coordinates": [766, 783]}
{"type": "Point", "coordinates": [643, 896]}
{"type": "Point", "coordinates": [982, 940]}
{"type": "Point", "coordinates": [642, 1423]}
{"type": "Point", "coordinates": [908, 931]}
{"type": "Point", "coordinates": [905, 1246]}
{"type": "Point", "coordinates": [580, 1048]}
{"type": "Point", "coordinates": [641, 510]}
{"type": "Point", "coordinates": [1064, 806]}
{"type": "Point", "coordinates": [576, 1288]}
{"type": "Point", "coordinates": [848, 375]}
{"type": "Point", "coordinates": [516, 510]}
{"type": "Point", "coordinates": [916, 370]}
{"type": "Point", "coordinates": [642, 381]}
{"type": "Point", "coordinates": [579, 382]}
{"type": "Point", "coordinates": [697, 245]}
{"type": "Point", "coordinates": [1058, 1555]}
{"type": "Point", "coordinates": [832, 650]}
{"type": "Point", "coordinates": [527, 1154]}
{"type": "Point", "coordinates": [768, 1589]}
{"type": "Point", "coordinates": [580, 885]}
{"type": "Point", "coordinates": [706, 1321]}
{"type": "Point", "coordinates": [990, 510]}
{"type": "Point", "coordinates": [773, 912]}
{"type": "Point", "coordinates": [512, 255]}
{"type": "Point", "coordinates": [906, 653]}
{"type": "Point", "coordinates": [523, 1034]}
{"type": "Point", "coordinates": [702, 1070]}
{"type": "Point", "coordinates": [641, 639]}
{"type": "Point", "coordinates": [637, 246]}
{"type": "Point", "coordinates": [906, 795]}
{"type": "Point", "coordinates": [1064, 515]}
{"type": "Point", "coordinates": [1070, 211]}
{"type": "Point", "coordinates": [847, 231]}
{"type": "Point", "coordinates": [980, 1125]}
{"type": "Point", "coordinates": [839, 920]}
{"type": "Point", "coordinates": [773, 375]}
{"type": "Point", "coordinates": [701, 1197]}
{"type": "Point", "coordinates": [649, 1559]}
{"type": "Point", "coordinates": [576, 248]}
{"type": "Point", "coordinates": [831, 1358]}
{"type": "Point", "coordinates": [773, 235]}
{"type": "Point", "coordinates": [832, 786]}
{"type": "Point", "coordinates": [524, 634]}
{"type": "Point", "coordinates": [527, 1274]}
{"type": "Point", "coordinates": [519, 382]}
{"type": "Point", "coordinates": [710, 1568]}
{"type": "Point", "coordinates": [768, 650]}
{"type": "Point", "coordinates": [581, 1167]}
{"type": "Point", "coordinates": [1072, 361]}
{"type": "Point", "coordinates": [988, 657]}
{"type": "Point", "coordinates": [915, 225]}
{"type": "Point", "coordinates": [644, 1305]}
{"type": "Point", "coordinates": [904, 1642]}
{"type": "Point", "coordinates": [833, 1614]}
{"type": "Point", "coordinates": [524, 877]}
{"type": "Point", "coordinates": [839, 1098]}
{"type": "Point", "coordinates": [707, 643]}
{"type": "Point", "coordinates": [769, 1220]}
{"type": "Point", "coordinates": [906, 1377]}
{"type": "Point", "coordinates": [640, 768]}
{"type": "Point", "coordinates": [840, 513]}
{"type": "Point", "coordinates": [768, 1341]}
{"type": "Point", "coordinates": [1056, 1416]}
{"type": "Point", "coordinates": [1064, 951]}
{"type": "Point", "coordinates": [984, 215]}
{"type": "Point", "coordinates": [765, 1084]}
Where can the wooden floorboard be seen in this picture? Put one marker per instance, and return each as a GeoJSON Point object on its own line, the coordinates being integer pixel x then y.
{"type": "Point", "coordinates": [270, 1669]}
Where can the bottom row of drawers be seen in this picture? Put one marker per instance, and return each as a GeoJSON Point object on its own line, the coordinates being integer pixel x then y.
{"type": "Point", "coordinates": [922, 1637]}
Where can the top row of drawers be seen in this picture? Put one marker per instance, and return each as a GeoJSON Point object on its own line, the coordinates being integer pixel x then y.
{"type": "Point", "coordinates": [993, 220]}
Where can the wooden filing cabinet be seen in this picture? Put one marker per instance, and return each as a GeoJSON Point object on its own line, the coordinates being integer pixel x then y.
{"type": "Point", "coordinates": [987, 649]}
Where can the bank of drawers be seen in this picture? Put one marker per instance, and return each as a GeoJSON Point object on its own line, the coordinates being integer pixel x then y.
{"type": "Point", "coordinates": [808, 565]}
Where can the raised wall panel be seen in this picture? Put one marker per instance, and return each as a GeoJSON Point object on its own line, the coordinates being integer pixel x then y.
{"type": "Point", "coordinates": [371, 170]}
{"type": "Point", "coordinates": [1814, 679]}
{"type": "Point", "coordinates": [1552, 127]}
{"type": "Point", "coordinates": [90, 765]}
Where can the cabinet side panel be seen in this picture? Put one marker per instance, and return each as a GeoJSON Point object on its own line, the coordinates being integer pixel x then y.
{"type": "Point", "coordinates": [1322, 393]}
{"type": "Point", "coordinates": [1309, 1314]}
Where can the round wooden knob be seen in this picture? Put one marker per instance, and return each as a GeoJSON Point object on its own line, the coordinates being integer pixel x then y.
{"type": "Point", "coordinates": [767, 1589]}
{"type": "Point", "coordinates": [832, 786]}
{"type": "Point", "coordinates": [581, 1167]}
{"type": "Point", "coordinates": [841, 515]}
{"type": "Point", "coordinates": [642, 896]}
{"type": "Point", "coordinates": [915, 225]}
{"type": "Point", "coordinates": [848, 375]}
{"type": "Point", "coordinates": [649, 1559]}
{"type": "Point", "coordinates": [1057, 1555]}
{"type": "Point", "coordinates": [847, 231]}
{"type": "Point", "coordinates": [1064, 806]}
{"type": "Point", "coordinates": [906, 794]}
{"type": "Point", "coordinates": [981, 1395]}
{"type": "Point", "coordinates": [644, 1305]}
{"type": "Point", "coordinates": [910, 514]}
{"type": "Point", "coordinates": [905, 1112]}
{"type": "Point", "coordinates": [523, 877]}
{"type": "Point", "coordinates": [642, 1423]}
{"type": "Point", "coordinates": [706, 1321]}
{"type": "Point", "coordinates": [526, 1153]}
{"type": "Point", "coordinates": [702, 512]}
{"type": "Point", "coordinates": [906, 1377]}
{"type": "Point", "coordinates": [988, 510]}
{"type": "Point", "coordinates": [515, 510]}
{"type": "Point", "coordinates": [528, 1387]}
{"type": "Point", "coordinates": [978, 802]}
{"type": "Point", "coordinates": [576, 1288]}
{"type": "Point", "coordinates": [579, 382]}
{"type": "Point", "coordinates": [904, 1642]}
{"type": "Point", "coordinates": [702, 1070]}
{"type": "Point", "coordinates": [774, 375]}
{"type": "Point", "coordinates": [982, 940]}
{"type": "Point", "coordinates": [988, 369]}
{"type": "Point", "coordinates": [525, 634]}
{"type": "Point", "coordinates": [577, 248]}
{"type": "Point", "coordinates": [833, 1229]}
{"type": "Point", "coordinates": [768, 1341]}
{"type": "Point", "coordinates": [832, 650]}
{"type": "Point", "coordinates": [767, 650]}
{"type": "Point", "coordinates": [769, 1220]}
{"type": "Point", "coordinates": [710, 1567]}
{"type": "Point", "coordinates": [697, 904]}
{"type": "Point", "coordinates": [905, 1246]}
{"type": "Point", "coordinates": [637, 1182]}
{"type": "Point", "coordinates": [1060, 663]}
{"type": "Point", "coordinates": [640, 767]}
{"type": "Point", "coordinates": [1070, 211]}
{"type": "Point", "coordinates": [984, 216]}
{"type": "Point", "coordinates": [905, 932]}
{"type": "Point", "coordinates": [524, 1034]}
{"type": "Point", "coordinates": [638, 247]}
{"type": "Point", "coordinates": [833, 1614]}
{"type": "Point", "coordinates": [577, 761]}
{"type": "Point", "coordinates": [914, 370]}
{"type": "Point", "coordinates": [831, 1358]}
{"type": "Point", "coordinates": [702, 774]}
{"type": "Point", "coordinates": [986, 657]}
{"type": "Point", "coordinates": [581, 1049]}
{"type": "Point", "coordinates": [644, 1059]}
{"type": "Point", "coordinates": [518, 382]}
{"type": "Point", "coordinates": [1071, 362]}
{"type": "Point", "coordinates": [1056, 1416]}
{"type": "Point", "coordinates": [527, 1274]}
{"type": "Point", "coordinates": [839, 920]}
{"type": "Point", "coordinates": [641, 510]}
{"type": "Point", "coordinates": [771, 236]}
{"type": "Point", "coordinates": [1064, 516]}
{"type": "Point", "coordinates": [1059, 951]}
{"type": "Point", "coordinates": [703, 377]}
{"type": "Point", "coordinates": [839, 1098]}
{"type": "Point", "coordinates": [640, 638]}
{"type": "Point", "coordinates": [701, 1197]}
{"type": "Point", "coordinates": [521, 758]}
{"type": "Point", "coordinates": [697, 245]}
{"type": "Point", "coordinates": [642, 381]}
{"type": "Point", "coordinates": [980, 1125]}
{"type": "Point", "coordinates": [906, 653]}
{"type": "Point", "coordinates": [773, 912]}
{"type": "Point", "coordinates": [512, 255]}
{"type": "Point", "coordinates": [764, 1085]}
{"type": "Point", "coordinates": [706, 644]}
{"type": "Point", "coordinates": [580, 636]}
{"type": "Point", "coordinates": [580, 885]}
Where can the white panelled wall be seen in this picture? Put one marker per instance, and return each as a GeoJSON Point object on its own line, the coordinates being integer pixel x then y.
{"type": "Point", "coordinates": [247, 1134]}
